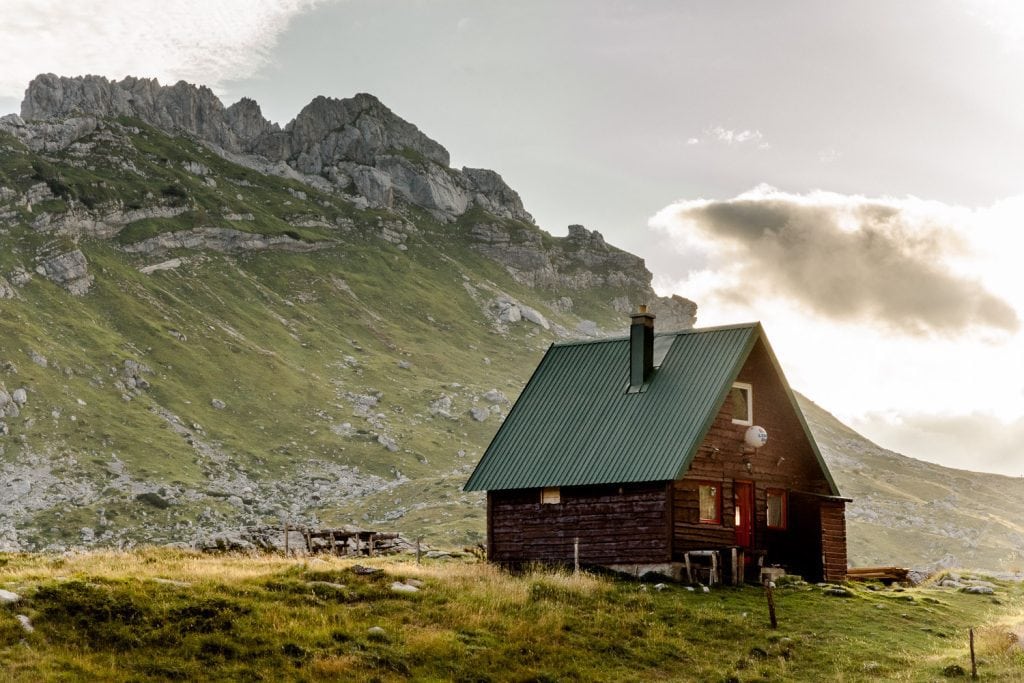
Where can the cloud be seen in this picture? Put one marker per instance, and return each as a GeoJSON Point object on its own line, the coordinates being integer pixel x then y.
{"type": "Point", "coordinates": [192, 40]}
{"type": "Point", "coordinates": [829, 155]}
{"type": "Point", "coordinates": [734, 137]}
{"type": "Point", "coordinates": [730, 137]}
{"type": "Point", "coordinates": [847, 258]}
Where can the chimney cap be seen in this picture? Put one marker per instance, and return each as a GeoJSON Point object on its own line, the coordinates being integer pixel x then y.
{"type": "Point", "coordinates": [642, 312]}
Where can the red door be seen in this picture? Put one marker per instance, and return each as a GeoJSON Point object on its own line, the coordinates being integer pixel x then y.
{"type": "Point", "coordinates": [743, 500]}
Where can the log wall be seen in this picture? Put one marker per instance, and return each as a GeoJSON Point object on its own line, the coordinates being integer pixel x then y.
{"type": "Point", "coordinates": [657, 522]}
{"type": "Point", "coordinates": [625, 524]}
{"type": "Point", "coordinates": [786, 462]}
{"type": "Point", "coordinates": [833, 540]}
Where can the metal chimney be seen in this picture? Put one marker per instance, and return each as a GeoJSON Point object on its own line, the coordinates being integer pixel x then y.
{"type": "Point", "coordinates": [641, 348]}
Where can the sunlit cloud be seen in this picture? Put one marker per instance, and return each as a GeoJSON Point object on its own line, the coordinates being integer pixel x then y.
{"type": "Point", "coordinates": [893, 262]}
{"type": "Point", "coordinates": [193, 40]}
{"type": "Point", "coordinates": [900, 316]}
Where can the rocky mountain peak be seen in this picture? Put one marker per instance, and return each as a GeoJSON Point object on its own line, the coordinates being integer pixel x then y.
{"type": "Point", "coordinates": [359, 145]}
{"type": "Point", "coordinates": [356, 148]}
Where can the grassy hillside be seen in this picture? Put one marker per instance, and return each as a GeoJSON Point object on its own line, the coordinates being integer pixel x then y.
{"type": "Point", "coordinates": [169, 615]}
{"type": "Point", "coordinates": [198, 386]}
{"type": "Point", "coordinates": [347, 365]}
{"type": "Point", "coordinates": [913, 513]}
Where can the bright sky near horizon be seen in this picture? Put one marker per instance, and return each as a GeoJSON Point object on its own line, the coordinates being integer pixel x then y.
{"type": "Point", "coordinates": [850, 173]}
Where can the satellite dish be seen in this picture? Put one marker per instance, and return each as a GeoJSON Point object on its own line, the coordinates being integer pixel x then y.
{"type": "Point", "coordinates": [756, 436]}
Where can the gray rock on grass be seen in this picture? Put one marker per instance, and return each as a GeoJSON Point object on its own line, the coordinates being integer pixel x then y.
{"type": "Point", "coordinates": [69, 270]}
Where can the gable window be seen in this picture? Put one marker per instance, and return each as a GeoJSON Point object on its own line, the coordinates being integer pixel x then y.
{"type": "Point", "coordinates": [776, 508]}
{"type": "Point", "coordinates": [741, 403]}
{"type": "Point", "coordinates": [550, 495]}
{"type": "Point", "coordinates": [710, 495]}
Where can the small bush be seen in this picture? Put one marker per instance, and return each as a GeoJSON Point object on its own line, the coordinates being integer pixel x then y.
{"type": "Point", "coordinates": [154, 499]}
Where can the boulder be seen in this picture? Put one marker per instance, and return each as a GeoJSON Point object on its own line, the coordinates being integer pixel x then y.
{"type": "Point", "coordinates": [25, 623]}
{"type": "Point", "coordinates": [69, 270]}
{"type": "Point", "coordinates": [442, 406]}
{"type": "Point", "coordinates": [534, 317]}
{"type": "Point", "coordinates": [399, 587]}
{"type": "Point", "coordinates": [495, 396]}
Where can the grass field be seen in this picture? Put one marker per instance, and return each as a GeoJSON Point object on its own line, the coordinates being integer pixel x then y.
{"type": "Point", "coordinates": [163, 614]}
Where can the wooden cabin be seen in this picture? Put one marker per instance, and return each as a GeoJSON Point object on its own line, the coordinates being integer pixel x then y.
{"type": "Point", "coordinates": [648, 453]}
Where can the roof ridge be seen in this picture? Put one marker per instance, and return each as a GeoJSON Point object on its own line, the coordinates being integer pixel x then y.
{"type": "Point", "coordinates": [691, 330]}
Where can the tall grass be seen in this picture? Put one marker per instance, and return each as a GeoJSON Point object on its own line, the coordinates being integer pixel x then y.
{"type": "Point", "coordinates": [160, 614]}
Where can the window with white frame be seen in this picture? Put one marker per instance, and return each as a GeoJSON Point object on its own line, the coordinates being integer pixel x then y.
{"type": "Point", "coordinates": [741, 403]}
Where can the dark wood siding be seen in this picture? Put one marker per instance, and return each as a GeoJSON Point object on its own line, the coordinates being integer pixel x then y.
{"type": "Point", "coordinates": [615, 525]}
{"type": "Point", "coordinates": [786, 462]}
{"type": "Point", "coordinates": [833, 539]}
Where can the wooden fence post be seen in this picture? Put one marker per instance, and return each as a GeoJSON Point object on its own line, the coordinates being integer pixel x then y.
{"type": "Point", "coordinates": [771, 603]}
{"type": "Point", "coordinates": [576, 554]}
{"type": "Point", "coordinates": [974, 662]}
{"type": "Point", "coordinates": [286, 553]}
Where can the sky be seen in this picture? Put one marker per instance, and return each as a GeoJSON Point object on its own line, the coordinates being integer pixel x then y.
{"type": "Point", "coordinates": [850, 173]}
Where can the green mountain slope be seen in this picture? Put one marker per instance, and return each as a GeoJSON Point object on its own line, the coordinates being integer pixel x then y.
{"type": "Point", "coordinates": [189, 345]}
{"type": "Point", "coordinates": [213, 323]}
{"type": "Point", "coordinates": [913, 513]}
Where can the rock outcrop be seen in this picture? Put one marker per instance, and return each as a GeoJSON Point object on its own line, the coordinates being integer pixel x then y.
{"type": "Point", "coordinates": [357, 147]}
{"type": "Point", "coordinates": [69, 270]}
{"type": "Point", "coordinates": [580, 261]}
{"type": "Point", "coordinates": [223, 240]}
{"type": "Point", "coordinates": [357, 144]}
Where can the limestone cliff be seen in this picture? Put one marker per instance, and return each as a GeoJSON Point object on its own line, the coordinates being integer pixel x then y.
{"type": "Point", "coordinates": [356, 148]}
{"type": "Point", "coordinates": [358, 144]}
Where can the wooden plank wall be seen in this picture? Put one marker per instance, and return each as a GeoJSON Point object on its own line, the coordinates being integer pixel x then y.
{"type": "Point", "coordinates": [833, 539]}
{"type": "Point", "coordinates": [613, 527]}
{"type": "Point", "coordinates": [786, 462]}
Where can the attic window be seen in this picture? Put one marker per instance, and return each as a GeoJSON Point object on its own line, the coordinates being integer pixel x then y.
{"type": "Point", "coordinates": [776, 508]}
{"type": "Point", "coordinates": [741, 403]}
{"type": "Point", "coordinates": [710, 495]}
{"type": "Point", "coordinates": [550, 495]}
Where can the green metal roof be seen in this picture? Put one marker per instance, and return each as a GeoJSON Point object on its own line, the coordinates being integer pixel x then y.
{"type": "Point", "coordinates": [575, 424]}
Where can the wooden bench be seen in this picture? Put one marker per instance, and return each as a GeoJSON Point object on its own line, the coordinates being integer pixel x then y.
{"type": "Point", "coordinates": [883, 574]}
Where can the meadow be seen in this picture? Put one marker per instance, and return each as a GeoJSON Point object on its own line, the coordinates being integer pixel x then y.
{"type": "Point", "coordinates": [165, 614]}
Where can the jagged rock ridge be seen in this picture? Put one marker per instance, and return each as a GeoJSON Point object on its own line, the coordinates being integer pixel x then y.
{"type": "Point", "coordinates": [358, 144]}
{"type": "Point", "coordinates": [356, 147]}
